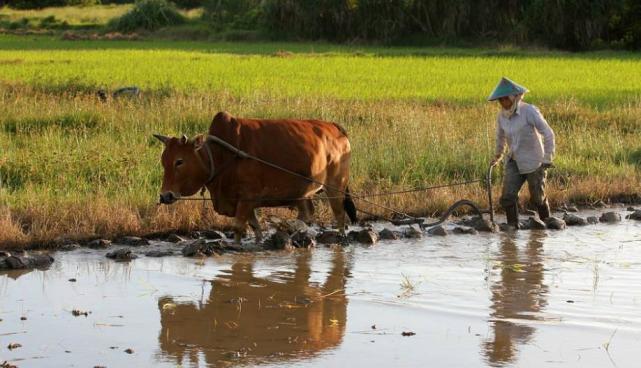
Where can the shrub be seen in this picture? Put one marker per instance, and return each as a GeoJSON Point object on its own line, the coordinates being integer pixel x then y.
{"type": "Point", "coordinates": [236, 14]}
{"type": "Point", "coordinates": [149, 15]}
{"type": "Point", "coordinates": [188, 4]}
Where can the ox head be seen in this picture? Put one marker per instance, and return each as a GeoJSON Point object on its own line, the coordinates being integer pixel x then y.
{"type": "Point", "coordinates": [184, 170]}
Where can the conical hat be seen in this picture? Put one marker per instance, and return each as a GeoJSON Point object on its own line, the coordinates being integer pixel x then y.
{"type": "Point", "coordinates": [506, 88]}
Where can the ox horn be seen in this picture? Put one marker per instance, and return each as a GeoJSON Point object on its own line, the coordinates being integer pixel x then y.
{"type": "Point", "coordinates": [162, 138]}
{"type": "Point", "coordinates": [184, 139]}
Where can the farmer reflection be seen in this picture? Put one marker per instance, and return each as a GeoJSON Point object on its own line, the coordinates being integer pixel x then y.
{"type": "Point", "coordinates": [252, 320]}
{"type": "Point", "coordinates": [519, 295]}
{"type": "Point", "coordinates": [522, 128]}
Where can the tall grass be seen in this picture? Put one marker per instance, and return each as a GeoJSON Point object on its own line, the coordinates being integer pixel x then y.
{"type": "Point", "coordinates": [74, 167]}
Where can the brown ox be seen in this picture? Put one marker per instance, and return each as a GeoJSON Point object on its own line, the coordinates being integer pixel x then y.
{"type": "Point", "coordinates": [239, 185]}
{"type": "Point", "coordinates": [269, 321]}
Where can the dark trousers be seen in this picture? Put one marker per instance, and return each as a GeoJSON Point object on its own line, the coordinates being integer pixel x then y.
{"type": "Point", "coordinates": [513, 181]}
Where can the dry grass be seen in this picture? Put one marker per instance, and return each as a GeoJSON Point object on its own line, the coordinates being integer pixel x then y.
{"type": "Point", "coordinates": [75, 168]}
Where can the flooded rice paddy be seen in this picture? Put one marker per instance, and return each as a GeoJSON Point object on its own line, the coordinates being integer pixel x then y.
{"type": "Point", "coordinates": [533, 299]}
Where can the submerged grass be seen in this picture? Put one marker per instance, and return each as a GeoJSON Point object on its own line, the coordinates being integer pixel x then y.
{"type": "Point", "coordinates": [74, 167]}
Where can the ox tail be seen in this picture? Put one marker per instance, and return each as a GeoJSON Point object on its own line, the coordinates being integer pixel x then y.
{"type": "Point", "coordinates": [349, 206]}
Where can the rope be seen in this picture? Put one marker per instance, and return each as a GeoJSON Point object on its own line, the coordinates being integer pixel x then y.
{"type": "Point", "coordinates": [245, 155]}
{"type": "Point", "coordinates": [354, 196]}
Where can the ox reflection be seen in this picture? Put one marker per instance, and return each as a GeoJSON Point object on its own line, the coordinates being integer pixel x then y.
{"type": "Point", "coordinates": [519, 294]}
{"type": "Point", "coordinates": [251, 320]}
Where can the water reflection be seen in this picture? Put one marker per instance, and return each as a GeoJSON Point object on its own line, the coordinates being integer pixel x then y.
{"type": "Point", "coordinates": [15, 274]}
{"type": "Point", "coordinates": [250, 320]}
{"type": "Point", "coordinates": [518, 294]}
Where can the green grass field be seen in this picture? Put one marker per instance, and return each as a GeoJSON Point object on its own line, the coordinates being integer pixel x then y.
{"type": "Point", "coordinates": [307, 70]}
{"type": "Point", "coordinates": [71, 166]}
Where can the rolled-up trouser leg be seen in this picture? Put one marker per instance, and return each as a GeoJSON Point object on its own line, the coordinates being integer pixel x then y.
{"type": "Point", "coordinates": [512, 183]}
{"type": "Point", "coordinates": [536, 184]}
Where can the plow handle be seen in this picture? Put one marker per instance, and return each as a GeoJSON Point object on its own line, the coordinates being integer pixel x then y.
{"type": "Point", "coordinates": [488, 183]}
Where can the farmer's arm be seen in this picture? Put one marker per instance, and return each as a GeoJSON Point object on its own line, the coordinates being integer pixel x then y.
{"type": "Point", "coordinates": [500, 142]}
{"type": "Point", "coordinates": [544, 129]}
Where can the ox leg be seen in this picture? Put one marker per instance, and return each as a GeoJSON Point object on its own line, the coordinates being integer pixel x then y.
{"type": "Point", "coordinates": [255, 225]}
{"type": "Point", "coordinates": [244, 212]}
{"type": "Point", "coordinates": [306, 211]}
{"type": "Point", "coordinates": [336, 203]}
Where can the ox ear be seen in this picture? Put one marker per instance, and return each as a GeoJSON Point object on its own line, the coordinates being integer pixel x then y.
{"type": "Point", "coordinates": [164, 139]}
{"type": "Point", "coordinates": [199, 141]}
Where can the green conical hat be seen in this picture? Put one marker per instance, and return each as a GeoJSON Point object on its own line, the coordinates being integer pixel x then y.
{"type": "Point", "coordinates": [506, 88]}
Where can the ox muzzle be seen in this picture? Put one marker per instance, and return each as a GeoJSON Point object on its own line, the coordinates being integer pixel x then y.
{"type": "Point", "coordinates": [168, 198]}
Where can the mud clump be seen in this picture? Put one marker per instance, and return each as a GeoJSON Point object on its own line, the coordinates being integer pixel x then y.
{"type": "Point", "coordinates": [21, 262]}
{"type": "Point", "coordinates": [292, 226]}
{"type": "Point", "coordinates": [387, 234]}
{"type": "Point", "coordinates": [201, 247]}
{"type": "Point", "coordinates": [554, 223]}
{"type": "Point", "coordinates": [534, 223]}
{"type": "Point", "coordinates": [173, 238]}
{"type": "Point", "coordinates": [280, 240]}
{"type": "Point", "coordinates": [159, 253]}
{"type": "Point", "coordinates": [69, 247]}
{"type": "Point", "coordinates": [574, 220]}
{"type": "Point", "coordinates": [303, 239]}
{"type": "Point", "coordinates": [437, 231]}
{"type": "Point", "coordinates": [461, 230]}
{"type": "Point", "coordinates": [365, 236]}
{"type": "Point", "coordinates": [636, 215]}
{"type": "Point", "coordinates": [99, 244]}
{"type": "Point", "coordinates": [412, 233]}
{"type": "Point", "coordinates": [610, 218]}
{"type": "Point", "coordinates": [209, 234]}
{"type": "Point", "coordinates": [123, 254]}
{"type": "Point", "coordinates": [331, 237]}
{"type": "Point", "coordinates": [482, 225]}
{"type": "Point", "coordinates": [78, 313]}
{"type": "Point", "coordinates": [569, 208]}
{"type": "Point", "coordinates": [133, 241]}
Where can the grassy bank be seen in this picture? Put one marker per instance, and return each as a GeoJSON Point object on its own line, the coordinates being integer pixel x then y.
{"type": "Point", "coordinates": [71, 17]}
{"type": "Point", "coordinates": [74, 167]}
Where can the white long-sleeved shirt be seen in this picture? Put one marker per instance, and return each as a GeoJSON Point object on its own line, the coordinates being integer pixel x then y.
{"type": "Point", "coordinates": [528, 136]}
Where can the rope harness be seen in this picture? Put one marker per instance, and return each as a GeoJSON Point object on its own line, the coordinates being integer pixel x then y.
{"type": "Point", "coordinates": [402, 218]}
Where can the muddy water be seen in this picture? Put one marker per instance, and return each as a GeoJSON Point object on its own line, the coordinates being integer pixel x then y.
{"type": "Point", "coordinates": [534, 299]}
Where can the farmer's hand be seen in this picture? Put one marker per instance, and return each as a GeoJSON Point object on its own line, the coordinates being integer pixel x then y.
{"type": "Point", "coordinates": [547, 165]}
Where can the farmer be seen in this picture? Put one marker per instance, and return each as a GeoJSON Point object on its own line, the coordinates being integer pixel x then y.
{"type": "Point", "coordinates": [530, 142]}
